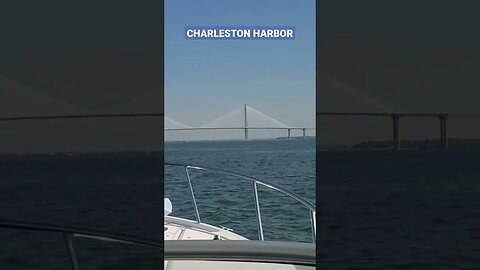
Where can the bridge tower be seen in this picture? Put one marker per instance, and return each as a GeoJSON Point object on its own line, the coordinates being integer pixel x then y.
{"type": "Point", "coordinates": [246, 122]}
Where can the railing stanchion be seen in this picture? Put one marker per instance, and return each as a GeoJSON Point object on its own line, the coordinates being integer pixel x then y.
{"type": "Point", "coordinates": [197, 215]}
{"type": "Point", "coordinates": [314, 225]}
{"type": "Point", "coordinates": [71, 251]}
{"type": "Point", "coordinates": [257, 211]}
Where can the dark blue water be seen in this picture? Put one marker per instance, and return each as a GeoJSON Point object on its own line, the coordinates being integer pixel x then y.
{"type": "Point", "coordinates": [376, 209]}
{"type": "Point", "coordinates": [119, 193]}
{"type": "Point", "coordinates": [399, 210]}
{"type": "Point", "coordinates": [122, 193]}
{"type": "Point", "coordinates": [228, 201]}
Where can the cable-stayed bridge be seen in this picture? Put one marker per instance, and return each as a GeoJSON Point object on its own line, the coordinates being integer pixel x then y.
{"type": "Point", "coordinates": [244, 118]}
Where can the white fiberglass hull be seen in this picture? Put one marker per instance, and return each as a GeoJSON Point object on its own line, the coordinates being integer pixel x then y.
{"type": "Point", "coordinates": [183, 229]}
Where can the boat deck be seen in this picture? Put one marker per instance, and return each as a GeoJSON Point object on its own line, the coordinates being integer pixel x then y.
{"type": "Point", "coordinates": [184, 229]}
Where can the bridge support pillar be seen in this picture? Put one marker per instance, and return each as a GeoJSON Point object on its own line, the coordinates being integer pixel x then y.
{"type": "Point", "coordinates": [304, 136]}
{"type": "Point", "coordinates": [396, 137]}
{"type": "Point", "coordinates": [443, 132]}
{"type": "Point", "coordinates": [289, 133]}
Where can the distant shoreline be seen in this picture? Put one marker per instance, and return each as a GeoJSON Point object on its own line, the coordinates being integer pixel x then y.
{"type": "Point", "coordinates": [406, 145]}
{"type": "Point", "coordinates": [426, 144]}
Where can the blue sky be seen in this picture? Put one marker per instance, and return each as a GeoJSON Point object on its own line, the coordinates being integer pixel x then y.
{"type": "Point", "coordinates": [207, 78]}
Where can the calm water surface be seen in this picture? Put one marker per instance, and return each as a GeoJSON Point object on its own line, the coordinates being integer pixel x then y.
{"type": "Point", "coordinates": [399, 210]}
{"type": "Point", "coordinates": [122, 193]}
{"type": "Point", "coordinates": [377, 209]}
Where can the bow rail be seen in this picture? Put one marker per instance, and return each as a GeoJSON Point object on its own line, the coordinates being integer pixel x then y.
{"type": "Point", "coordinates": [255, 182]}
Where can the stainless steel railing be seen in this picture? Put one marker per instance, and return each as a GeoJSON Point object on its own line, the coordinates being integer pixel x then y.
{"type": "Point", "coordinates": [255, 182]}
{"type": "Point", "coordinates": [70, 232]}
